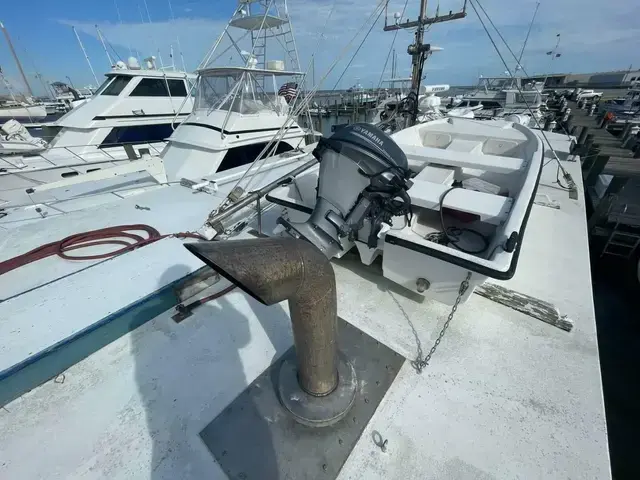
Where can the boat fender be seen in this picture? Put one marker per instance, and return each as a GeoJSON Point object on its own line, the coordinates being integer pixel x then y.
{"type": "Point", "coordinates": [511, 243]}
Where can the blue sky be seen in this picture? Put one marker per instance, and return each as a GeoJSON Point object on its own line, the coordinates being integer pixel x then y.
{"type": "Point", "coordinates": [595, 36]}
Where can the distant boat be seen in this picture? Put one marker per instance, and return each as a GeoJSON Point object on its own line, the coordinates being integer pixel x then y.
{"type": "Point", "coordinates": [22, 112]}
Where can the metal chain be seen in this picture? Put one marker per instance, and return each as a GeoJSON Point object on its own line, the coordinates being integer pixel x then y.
{"type": "Point", "coordinates": [419, 363]}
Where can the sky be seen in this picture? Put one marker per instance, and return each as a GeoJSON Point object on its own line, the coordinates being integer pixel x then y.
{"type": "Point", "coordinates": [594, 36]}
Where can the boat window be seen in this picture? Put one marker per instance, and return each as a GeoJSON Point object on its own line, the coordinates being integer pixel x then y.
{"type": "Point", "coordinates": [151, 87]}
{"type": "Point", "coordinates": [177, 88]}
{"type": "Point", "coordinates": [137, 134]}
{"type": "Point", "coordinates": [101, 87]}
{"type": "Point", "coordinates": [245, 154]}
{"type": "Point", "coordinates": [238, 92]}
{"type": "Point", "coordinates": [117, 85]}
{"type": "Point", "coordinates": [490, 104]}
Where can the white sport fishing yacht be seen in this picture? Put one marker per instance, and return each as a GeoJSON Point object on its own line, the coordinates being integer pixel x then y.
{"type": "Point", "coordinates": [237, 112]}
{"type": "Point", "coordinates": [135, 109]}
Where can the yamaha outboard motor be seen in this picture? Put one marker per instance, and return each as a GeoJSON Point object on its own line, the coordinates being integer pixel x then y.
{"type": "Point", "coordinates": [362, 183]}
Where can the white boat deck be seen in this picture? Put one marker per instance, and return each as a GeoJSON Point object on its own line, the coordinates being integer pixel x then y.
{"type": "Point", "coordinates": [505, 396]}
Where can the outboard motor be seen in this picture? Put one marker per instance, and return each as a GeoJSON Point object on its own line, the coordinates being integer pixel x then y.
{"type": "Point", "coordinates": [362, 184]}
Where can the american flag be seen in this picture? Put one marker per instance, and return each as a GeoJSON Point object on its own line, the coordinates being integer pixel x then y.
{"type": "Point", "coordinates": [288, 91]}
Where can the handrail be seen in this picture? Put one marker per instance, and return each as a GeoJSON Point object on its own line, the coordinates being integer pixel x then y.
{"type": "Point", "coordinates": [100, 149]}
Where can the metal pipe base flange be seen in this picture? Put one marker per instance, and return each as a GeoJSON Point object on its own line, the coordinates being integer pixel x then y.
{"type": "Point", "coordinates": [316, 411]}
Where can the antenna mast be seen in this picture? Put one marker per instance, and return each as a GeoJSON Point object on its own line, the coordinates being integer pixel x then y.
{"type": "Point", "coordinates": [85, 55]}
{"type": "Point", "coordinates": [104, 46]}
{"type": "Point", "coordinates": [418, 50]}
{"type": "Point", "coordinates": [15, 57]}
{"type": "Point", "coordinates": [519, 65]}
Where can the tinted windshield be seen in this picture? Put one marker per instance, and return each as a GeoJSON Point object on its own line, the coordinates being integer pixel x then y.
{"type": "Point", "coordinates": [116, 86]}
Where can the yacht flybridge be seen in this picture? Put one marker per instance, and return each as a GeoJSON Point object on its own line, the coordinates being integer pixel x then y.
{"type": "Point", "coordinates": [237, 112]}
{"type": "Point", "coordinates": [240, 108]}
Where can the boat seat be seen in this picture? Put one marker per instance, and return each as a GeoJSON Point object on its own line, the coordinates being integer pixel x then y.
{"type": "Point", "coordinates": [490, 163]}
{"type": "Point", "coordinates": [490, 208]}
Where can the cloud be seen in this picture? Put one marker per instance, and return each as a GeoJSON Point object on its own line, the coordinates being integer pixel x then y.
{"type": "Point", "coordinates": [594, 37]}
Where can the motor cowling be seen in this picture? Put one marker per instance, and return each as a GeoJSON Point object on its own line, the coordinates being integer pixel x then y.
{"type": "Point", "coordinates": [362, 184]}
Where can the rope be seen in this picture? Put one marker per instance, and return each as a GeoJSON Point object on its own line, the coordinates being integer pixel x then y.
{"type": "Point", "coordinates": [103, 236]}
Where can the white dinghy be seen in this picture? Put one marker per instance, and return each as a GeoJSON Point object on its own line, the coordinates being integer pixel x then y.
{"type": "Point", "coordinates": [437, 201]}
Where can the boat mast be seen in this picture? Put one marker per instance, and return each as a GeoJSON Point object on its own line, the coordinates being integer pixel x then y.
{"type": "Point", "coordinates": [418, 50]}
{"type": "Point", "coordinates": [15, 57]}
{"type": "Point", "coordinates": [524, 45]}
{"type": "Point", "coordinates": [86, 56]}
{"type": "Point", "coordinates": [104, 46]}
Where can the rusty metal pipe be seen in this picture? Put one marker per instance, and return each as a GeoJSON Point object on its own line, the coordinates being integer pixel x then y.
{"type": "Point", "coordinates": [275, 269]}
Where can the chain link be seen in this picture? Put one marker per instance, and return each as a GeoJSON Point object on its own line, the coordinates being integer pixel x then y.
{"type": "Point", "coordinates": [419, 363]}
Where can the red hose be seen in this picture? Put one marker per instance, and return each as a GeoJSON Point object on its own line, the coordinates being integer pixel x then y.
{"type": "Point", "coordinates": [102, 236]}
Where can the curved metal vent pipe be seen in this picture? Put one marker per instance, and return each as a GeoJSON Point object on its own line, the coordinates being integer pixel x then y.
{"type": "Point", "coordinates": [275, 269]}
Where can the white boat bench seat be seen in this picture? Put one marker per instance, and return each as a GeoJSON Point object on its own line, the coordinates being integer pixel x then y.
{"type": "Point", "coordinates": [491, 163]}
{"type": "Point", "coordinates": [490, 208]}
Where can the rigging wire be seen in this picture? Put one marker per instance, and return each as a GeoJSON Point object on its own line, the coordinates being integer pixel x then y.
{"type": "Point", "coordinates": [524, 45]}
{"type": "Point", "coordinates": [273, 147]}
{"type": "Point", "coordinates": [173, 20]}
{"type": "Point", "coordinates": [115, 2]}
{"type": "Point", "coordinates": [393, 42]}
{"type": "Point", "coordinates": [373, 24]}
{"type": "Point", "coordinates": [566, 174]}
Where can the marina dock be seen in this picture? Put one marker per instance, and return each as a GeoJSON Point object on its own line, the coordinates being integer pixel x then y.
{"type": "Point", "coordinates": [615, 153]}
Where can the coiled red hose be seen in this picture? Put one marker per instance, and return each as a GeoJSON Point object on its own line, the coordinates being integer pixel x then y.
{"type": "Point", "coordinates": [102, 236]}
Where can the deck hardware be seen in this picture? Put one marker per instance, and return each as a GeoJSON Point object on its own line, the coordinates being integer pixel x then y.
{"type": "Point", "coordinates": [379, 441]}
{"type": "Point", "coordinates": [422, 284]}
{"type": "Point", "coordinates": [420, 363]}
{"type": "Point", "coordinates": [319, 387]}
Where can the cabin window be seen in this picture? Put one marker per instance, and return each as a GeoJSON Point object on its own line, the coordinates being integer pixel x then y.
{"type": "Point", "coordinates": [157, 87]}
{"type": "Point", "coordinates": [116, 86]}
{"type": "Point", "coordinates": [137, 134]}
{"type": "Point", "coordinates": [235, 157]}
{"type": "Point", "coordinates": [490, 104]}
{"type": "Point", "coordinates": [103, 86]}
{"type": "Point", "coordinates": [151, 87]}
{"type": "Point", "coordinates": [177, 88]}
